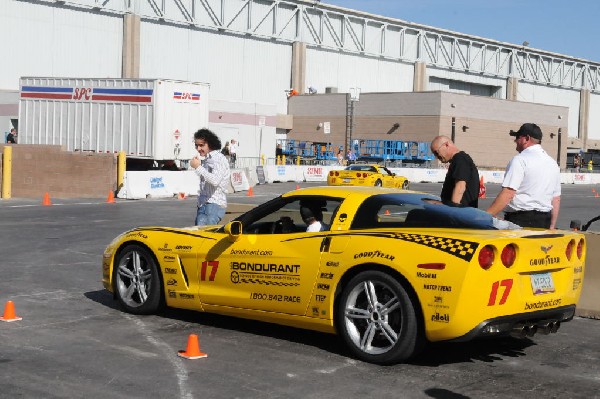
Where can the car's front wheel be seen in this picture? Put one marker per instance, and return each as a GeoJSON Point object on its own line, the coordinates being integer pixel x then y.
{"type": "Point", "coordinates": [137, 280]}
{"type": "Point", "coordinates": [405, 185]}
{"type": "Point", "coordinates": [377, 320]}
{"type": "Point", "coordinates": [378, 183]}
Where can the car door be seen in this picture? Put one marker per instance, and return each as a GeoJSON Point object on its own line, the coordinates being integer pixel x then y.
{"type": "Point", "coordinates": [267, 268]}
{"type": "Point", "coordinates": [387, 178]}
{"type": "Point", "coordinates": [272, 272]}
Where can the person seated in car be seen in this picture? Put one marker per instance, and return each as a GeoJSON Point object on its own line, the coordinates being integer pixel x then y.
{"type": "Point", "coordinates": [313, 216]}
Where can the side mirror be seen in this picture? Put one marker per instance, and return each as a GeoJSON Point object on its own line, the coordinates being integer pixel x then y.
{"type": "Point", "coordinates": [575, 225]}
{"type": "Point", "coordinates": [234, 229]}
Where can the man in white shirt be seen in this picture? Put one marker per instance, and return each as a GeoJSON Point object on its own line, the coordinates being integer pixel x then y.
{"type": "Point", "coordinates": [233, 152]}
{"type": "Point", "coordinates": [214, 178]}
{"type": "Point", "coordinates": [531, 186]}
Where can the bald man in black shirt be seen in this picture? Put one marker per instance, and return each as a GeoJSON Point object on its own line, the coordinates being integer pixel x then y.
{"type": "Point", "coordinates": [461, 186]}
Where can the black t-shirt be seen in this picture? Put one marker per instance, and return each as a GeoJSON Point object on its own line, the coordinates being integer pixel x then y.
{"type": "Point", "coordinates": [10, 138]}
{"type": "Point", "coordinates": [462, 167]}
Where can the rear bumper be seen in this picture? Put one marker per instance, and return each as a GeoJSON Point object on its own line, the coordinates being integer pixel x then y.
{"type": "Point", "coordinates": [506, 325]}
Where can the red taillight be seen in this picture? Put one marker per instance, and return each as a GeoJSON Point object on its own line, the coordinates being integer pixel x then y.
{"type": "Point", "coordinates": [508, 256]}
{"type": "Point", "coordinates": [486, 257]}
{"type": "Point", "coordinates": [358, 175]}
{"type": "Point", "coordinates": [331, 173]}
{"type": "Point", "coordinates": [580, 249]}
{"type": "Point", "coordinates": [337, 173]}
{"type": "Point", "coordinates": [569, 249]}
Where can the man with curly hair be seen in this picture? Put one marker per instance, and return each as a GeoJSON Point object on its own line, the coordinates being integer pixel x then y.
{"type": "Point", "coordinates": [214, 174]}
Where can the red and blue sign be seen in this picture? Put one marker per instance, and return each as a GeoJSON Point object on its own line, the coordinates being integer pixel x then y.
{"type": "Point", "coordinates": [178, 95]}
{"type": "Point", "coordinates": [107, 94]}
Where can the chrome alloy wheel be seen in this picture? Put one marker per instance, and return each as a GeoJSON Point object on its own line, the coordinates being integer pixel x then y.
{"type": "Point", "coordinates": [373, 317]}
{"type": "Point", "coordinates": [134, 278]}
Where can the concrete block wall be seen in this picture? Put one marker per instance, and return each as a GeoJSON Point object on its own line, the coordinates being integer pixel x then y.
{"type": "Point", "coordinates": [37, 169]}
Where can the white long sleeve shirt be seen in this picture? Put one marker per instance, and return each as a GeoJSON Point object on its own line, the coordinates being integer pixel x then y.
{"type": "Point", "coordinates": [214, 179]}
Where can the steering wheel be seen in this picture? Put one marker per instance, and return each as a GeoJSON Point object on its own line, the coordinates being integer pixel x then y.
{"type": "Point", "coordinates": [277, 227]}
{"type": "Point", "coordinates": [285, 224]}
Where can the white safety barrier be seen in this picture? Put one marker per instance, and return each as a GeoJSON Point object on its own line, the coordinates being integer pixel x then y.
{"type": "Point", "coordinates": [162, 183]}
{"type": "Point", "coordinates": [239, 180]}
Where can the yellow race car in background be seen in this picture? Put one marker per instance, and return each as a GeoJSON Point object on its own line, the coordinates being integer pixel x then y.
{"type": "Point", "coordinates": [366, 175]}
{"type": "Point", "coordinates": [390, 271]}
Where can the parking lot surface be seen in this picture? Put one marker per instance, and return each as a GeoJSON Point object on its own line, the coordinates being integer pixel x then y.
{"type": "Point", "coordinates": [75, 342]}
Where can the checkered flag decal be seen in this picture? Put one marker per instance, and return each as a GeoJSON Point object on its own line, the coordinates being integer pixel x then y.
{"type": "Point", "coordinates": [461, 249]}
{"type": "Point", "coordinates": [267, 282]}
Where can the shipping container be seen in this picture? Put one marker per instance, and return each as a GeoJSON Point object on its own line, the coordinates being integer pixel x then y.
{"type": "Point", "coordinates": [147, 118]}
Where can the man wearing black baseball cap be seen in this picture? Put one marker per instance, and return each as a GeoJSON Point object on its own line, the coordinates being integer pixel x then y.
{"type": "Point", "coordinates": [531, 186]}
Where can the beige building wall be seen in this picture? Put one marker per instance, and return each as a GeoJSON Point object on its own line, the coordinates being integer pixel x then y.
{"type": "Point", "coordinates": [131, 46]}
{"type": "Point", "coordinates": [481, 129]}
{"type": "Point", "coordinates": [299, 66]}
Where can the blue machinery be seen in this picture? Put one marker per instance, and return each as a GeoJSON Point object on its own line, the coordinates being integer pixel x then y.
{"type": "Point", "coordinates": [366, 151]}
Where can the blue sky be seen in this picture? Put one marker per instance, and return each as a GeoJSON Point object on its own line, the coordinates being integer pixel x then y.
{"type": "Point", "coordinates": [566, 27]}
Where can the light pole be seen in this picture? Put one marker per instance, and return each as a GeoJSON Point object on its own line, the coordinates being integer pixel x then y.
{"type": "Point", "coordinates": [351, 99]}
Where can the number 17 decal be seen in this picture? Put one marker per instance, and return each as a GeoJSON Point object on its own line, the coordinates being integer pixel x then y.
{"type": "Point", "coordinates": [507, 284]}
{"type": "Point", "coordinates": [214, 265]}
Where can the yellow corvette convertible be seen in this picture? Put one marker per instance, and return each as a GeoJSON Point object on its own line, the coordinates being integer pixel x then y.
{"type": "Point", "coordinates": [366, 175]}
{"type": "Point", "coordinates": [388, 270]}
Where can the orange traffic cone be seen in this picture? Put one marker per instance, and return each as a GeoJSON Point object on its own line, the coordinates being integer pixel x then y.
{"type": "Point", "coordinates": [46, 200]}
{"type": "Point", "coordinates": [481, 188]}
{"type": "Point", "coordinates": [111, 198]}
{"type": "Point", "coordinates": [193, 349]}
{"type": "Point", "coordinates": [9, 312]}
{"type": "Point", "coordinates": [387, 211]}
{"type": "Point", "coordinates": [250, 192]}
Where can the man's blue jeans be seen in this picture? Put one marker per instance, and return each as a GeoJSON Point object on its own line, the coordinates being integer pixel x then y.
{"type": "Point", "coordinates": [209, 214]}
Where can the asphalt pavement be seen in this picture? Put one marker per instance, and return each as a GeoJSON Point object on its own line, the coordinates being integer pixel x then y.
{"type": "Point", "coordinates": [75, 342]}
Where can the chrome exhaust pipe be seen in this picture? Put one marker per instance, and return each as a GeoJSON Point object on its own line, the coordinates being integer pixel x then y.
{"type": "Point", "coordinates": [524, 330]}
{"type": "Point", "coordinates": [518, 331]}
{"type": "Point", "coordinates": [530, 330]}
{"type": "Point", "coordinates": [545, 327]}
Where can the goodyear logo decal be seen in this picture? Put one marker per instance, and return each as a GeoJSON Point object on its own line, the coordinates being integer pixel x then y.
{"type": "Point", "coordinates": [461, 249]}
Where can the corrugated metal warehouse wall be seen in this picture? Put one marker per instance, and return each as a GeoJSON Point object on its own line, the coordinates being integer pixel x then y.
{"type": "Point", "coordinates": [238, 69]}
{"type": "Point", "coordinates": [248, 51]}
{"type": "Point", "coordinates": [42, 39]}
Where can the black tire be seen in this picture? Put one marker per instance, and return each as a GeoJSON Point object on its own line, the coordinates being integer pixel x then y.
{"type": "Point", "coordinates": [137, 280]}
{"type": "Point", "coordinates": [405, 185]}
{"type": "Point", "coordinates": [378, 183]}
{"type": "Point", "coordinates": [364, 307]}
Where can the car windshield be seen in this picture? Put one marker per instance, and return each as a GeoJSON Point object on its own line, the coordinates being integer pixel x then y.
{"type": "Point", "coordinates": [415, 210]}
{"type": "Point", "coordinates": [362, 168]}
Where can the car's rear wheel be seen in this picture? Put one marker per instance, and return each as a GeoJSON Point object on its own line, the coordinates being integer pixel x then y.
{"type": "Point", "coordinates": [137, 280]}
{"type": "Point", "coordinates": [376, 318]}
{"type": "Point", "coordinates": [378, 183]}
{"type": "Point", "coordinates": [405, 185]}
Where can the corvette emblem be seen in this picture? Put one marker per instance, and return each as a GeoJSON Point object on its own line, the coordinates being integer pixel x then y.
{"type": "Point", "coordinates": [546, 249]}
